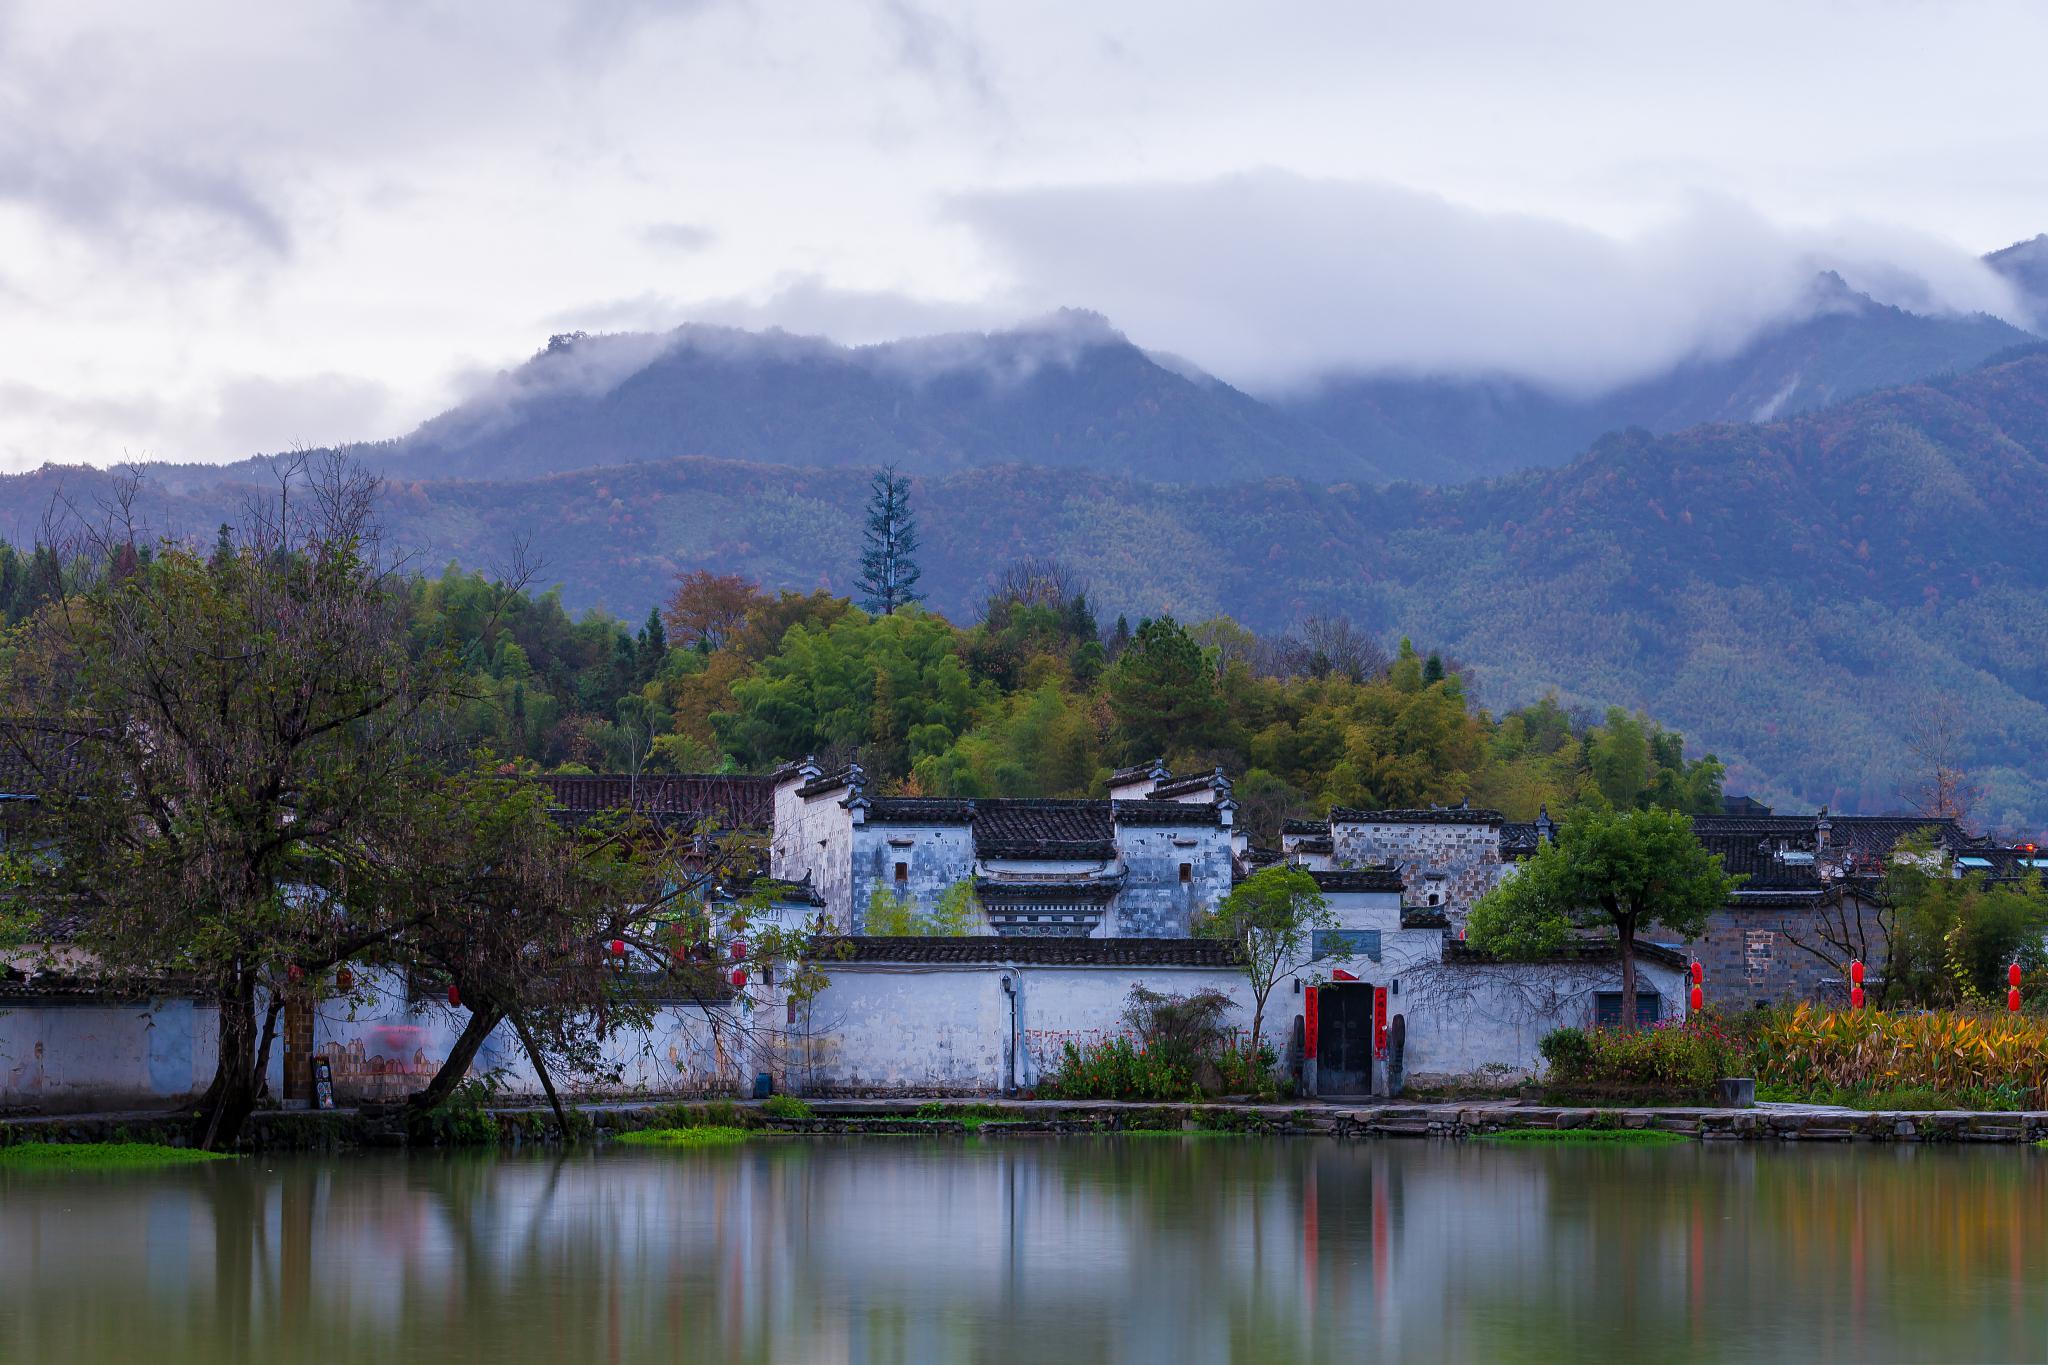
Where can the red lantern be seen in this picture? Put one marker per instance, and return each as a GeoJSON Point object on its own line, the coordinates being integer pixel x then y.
{"type": "Point", "coordinates": [1699, 973]}
{"type": "Point", "coordinates": [618, 947]}
{"type": "Point", "coordinates": [455, 996]}
{"type": "Point", "coordinates": [295, 973]}
{"type": "Point", "coordinates": [739, 978]}
{"type": "Point", "coordinates": [1856, 973]}
{"type": "Point", "coordinates": [739, 951]}
{"type": "Point", "coordinates": [2012, 999]}
{"type": "Point", "coordinates": [1855, 997]}
{"type": "Point", "coordinates": [344, 981]}
{"type": "Point", "coordinates": [2012, 976]}
{"type": "Point", "coordinates": [1699, 998]}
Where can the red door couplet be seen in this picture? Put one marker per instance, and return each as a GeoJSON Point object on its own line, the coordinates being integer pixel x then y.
{"type": "Point", "coordinates": [1311, 1024]}
{"type": "Point", "coordinates": [1379, 1021]}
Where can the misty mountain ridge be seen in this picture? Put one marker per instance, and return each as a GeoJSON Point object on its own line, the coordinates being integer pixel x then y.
{"type": "Point", "coordinates": [1790, 594]}
{"type": "Point", "coordinates": [1070, 391]}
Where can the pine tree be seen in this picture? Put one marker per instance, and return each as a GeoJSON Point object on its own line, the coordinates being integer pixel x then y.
{"type": "Point", "coordinates": [888, 567]}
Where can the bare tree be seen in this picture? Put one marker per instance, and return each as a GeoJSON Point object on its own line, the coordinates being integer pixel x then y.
{"type": "Point", "coordinates": [1939, 784]}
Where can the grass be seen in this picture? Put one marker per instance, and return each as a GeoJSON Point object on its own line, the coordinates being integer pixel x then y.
{"type": "Point", "coordinates": [968, 1116]}
{"type": "Point", "coordinates": [1586, 1137]}
{"type": "Point", "coordinates": [706, 1135]}
{"type": "Point", "coordinates": [100, 1156]}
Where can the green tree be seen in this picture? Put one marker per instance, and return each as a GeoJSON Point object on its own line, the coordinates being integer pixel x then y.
{"type": "Point", "coordinates": [1162, 692]}
{"type": "Point", "coordinates": [249, 730]}
{"type": "Point", "coordinates": [1620, 871]}
{"type": "Point", "coordinates": [1272, 916]}
{"type": "Point", "coordinates": [888, 561]}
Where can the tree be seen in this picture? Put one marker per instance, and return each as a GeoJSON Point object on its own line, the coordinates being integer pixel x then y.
{"type": "Point", "coordinates": [1621, 871]}
{"type": "Point", "coordinates": [706, 609]}
{"type": "Point", "coordinates": [250, 733]}
{"type": "Point", "coordinates": [888, 563]}
{"type": "Point", "coordinates": [1162, 691]}
{"type": "Point", "coordinates": [1272, 916]}
{"type": "Point", "coordinates": [1939, 784]}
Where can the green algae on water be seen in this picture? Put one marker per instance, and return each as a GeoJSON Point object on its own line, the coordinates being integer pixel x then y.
{"type": "Point", "coordinates": [101, 1156]}
{"type": "Point", "coordinates": [707, 1135]}
{"type": "Point", "coordinates": [1585, 1137]}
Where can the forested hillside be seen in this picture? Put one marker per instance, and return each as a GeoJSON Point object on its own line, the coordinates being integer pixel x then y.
{"type": "Point", "coordinates": [1793, 596]}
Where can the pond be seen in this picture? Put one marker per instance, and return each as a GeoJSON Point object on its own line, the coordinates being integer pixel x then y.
{"type": "Point", "coordinates": [1163, 1249]}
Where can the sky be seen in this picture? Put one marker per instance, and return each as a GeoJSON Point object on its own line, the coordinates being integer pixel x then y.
{"type": "Point", "coordinates": [232, 227]}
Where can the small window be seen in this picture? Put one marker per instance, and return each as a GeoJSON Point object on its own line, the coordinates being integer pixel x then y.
{"type": "Point", "coordinates": [1607, 1008]}
{"type": "Point", "coordinates": [903, 872]}
{"type": "Point", "coordinates": [1187, 872]}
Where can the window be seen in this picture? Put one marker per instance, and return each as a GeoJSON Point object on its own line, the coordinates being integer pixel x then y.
{"type": "Point", "coordinates": [1607, 1008]}
{"type": "Point", "coordinates": [903, 872]}
{"type": "Point", "coordinates": [1187, 872]}
{"type": "Point", "coordinates": [1345, 943]}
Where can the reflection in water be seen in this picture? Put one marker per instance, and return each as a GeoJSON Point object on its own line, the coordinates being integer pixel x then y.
{"type": "Point", "coordinates": [1039, 1250]}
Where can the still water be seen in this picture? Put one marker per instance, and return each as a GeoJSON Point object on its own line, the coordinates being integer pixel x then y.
{"type": "Point", "coordinates": [1066, 1250]}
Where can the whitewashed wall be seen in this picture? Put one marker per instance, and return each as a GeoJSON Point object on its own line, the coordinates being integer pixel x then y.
{"type": "Point", "coordinates": [63, 1057]}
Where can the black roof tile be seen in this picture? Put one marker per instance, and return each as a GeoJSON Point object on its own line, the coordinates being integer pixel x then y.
{"type": "Point", "coordinates": [1071, 952]}
{"type": "Point", "coordinates": [1433, 815]}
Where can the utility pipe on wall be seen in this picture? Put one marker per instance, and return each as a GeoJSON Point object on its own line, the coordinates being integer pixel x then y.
{"type": "Point", "coordinates": [1010, 1049]}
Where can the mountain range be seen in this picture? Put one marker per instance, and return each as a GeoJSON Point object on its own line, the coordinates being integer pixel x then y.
{"type": "Point", "coordinates": [1791, 552]}
{"type": "Point", "coordinates": [1793, 594]}
{"type": "Point", "coordinates": [1072, 392]}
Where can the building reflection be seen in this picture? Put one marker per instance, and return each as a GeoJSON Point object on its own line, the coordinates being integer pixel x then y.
{"type": "Point", "coordinates": [1027, 1250]}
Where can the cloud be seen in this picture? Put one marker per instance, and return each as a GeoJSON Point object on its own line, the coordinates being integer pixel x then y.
{"type": "Point", "coordinates": [1271, 279]}
{"type": "Point", "coordinates": [679, 237]}
{"type": "Point", "coordinates": [239, 416]}
{"type": "Point", "coordinates": [940, 50]}
{"type": "Point", "coordinates": [805, 303]}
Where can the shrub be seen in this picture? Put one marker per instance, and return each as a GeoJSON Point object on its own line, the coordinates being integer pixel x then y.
{"type": "Point", "coordinates": [1989, 1057]}
{"type": "Point", "coordinates": [1117, 1069]}
{"type": "Point", "coordinates": [1567, 1051]}
{"type": "Point", "coordinates": [785, 1107]}
{"type": "Point", "coordinates": [1679, 1057]}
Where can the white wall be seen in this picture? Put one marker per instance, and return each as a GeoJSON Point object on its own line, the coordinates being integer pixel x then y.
{"type": "Point", "coordinates": [62, 1057]}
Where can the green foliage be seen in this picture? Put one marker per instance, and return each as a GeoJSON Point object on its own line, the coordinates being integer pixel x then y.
{"type": "Point", "coordinates": [1116, 1069]}
{"type": "Point", "coordinates": [957, 912]}
{"type": "Point", "coordinates": [1951, 939]}
{"type": "Point", "coordinates": [888, 560]}
{"type": "Point", "coordinates": [1162, 692]}
{"type": "Point", "coordinates": [1616, 871]}
{"type": "Point", "coordinates": [894, 686]}
{"type": "Point", "coordinates": [1682, 1059]}
{"type": "Point", "coordinates": [786, 1107]}
{"type": "Point", "coordinates": [1272, 916]}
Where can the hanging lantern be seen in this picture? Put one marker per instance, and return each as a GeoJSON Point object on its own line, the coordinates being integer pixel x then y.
{"type": "Point", "coordinates": [739, 951]}
{"type": "Point", "coordinates": [1856, 973]}
{"type": "Point", "coordinates": [2012, 976]}
{"type": "Point", "coordinates": [1855, 997]}
{"type": "Point", "coordinates": [455, 996]}
{"type": "Point", "coordinates": [1698, 995]}
{"type": "Point", "coordinates": [618, 947]}
{"type": "Point", "coordinates": [295, 973]}
{"type": "Point", "coordinates": [1699, 998]}
{"type": "Point", "coordinates": [739, 978]}
{"type": "Point", "coordinates": [2012, 999]}
{"type": "Point", "coordinates": [1699, 972]}
{"type": "Point", "coordinates": [344, 981]}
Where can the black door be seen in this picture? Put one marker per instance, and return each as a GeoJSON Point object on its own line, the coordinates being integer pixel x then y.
{"type": "Point", "coordinates": [1344, 1040]}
